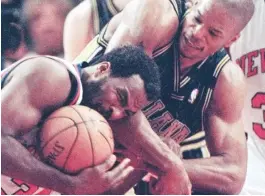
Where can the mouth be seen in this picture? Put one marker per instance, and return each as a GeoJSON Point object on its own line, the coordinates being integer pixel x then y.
{"type": "Point", "coordinates": [190, 44]}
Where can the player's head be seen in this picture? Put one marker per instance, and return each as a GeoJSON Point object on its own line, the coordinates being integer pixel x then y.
{"type": "Point", "coordinates": [121, 82]}
{"type": "Point", "coordinates": [44, 22]}
{"type": "Point", "coordinates": [213, 24]}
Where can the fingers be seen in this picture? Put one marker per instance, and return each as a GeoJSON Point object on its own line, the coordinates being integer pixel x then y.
{"type": "Point", "coordinates": [154, 186]}
{"type": "Point", "coordinates": [119, 168]}
{"type": "Point", "coordinates": [120, 156]}
{"type": "Point", "coordinates": [121, 171]}
{"type": "Point", "coordinates": [148, 177]}
{"type": "Point", "coordinates": [107, 164]}
{"type": "Point", "coordinates": [152, 169]}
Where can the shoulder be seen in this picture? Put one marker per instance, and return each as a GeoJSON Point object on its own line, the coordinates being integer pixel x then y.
{"type": "Point", "coordinates": [80, 18]}
{"type": "Point", "coordinates": [229, 93]}
{"type": "Point", "coordinates": [231, 77]}
{"type": "Point", "coordinates": [44, 67]}
{"type": "Point", "coordinates": [151, 12]}
{"type": "Point", "coordinates": [44, 76]}
{"type": "Point", "coordinates": [150, 23]}
{"type": "Point", "coordinates": [83, 11]}
{"type": "Point", "coordinates": [79, 29]}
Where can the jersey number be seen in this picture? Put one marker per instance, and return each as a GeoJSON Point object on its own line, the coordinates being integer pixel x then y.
{"type": "Point", "coordinates": [256, 102]}
{"type": "Point", "coordinates": [18, 187]}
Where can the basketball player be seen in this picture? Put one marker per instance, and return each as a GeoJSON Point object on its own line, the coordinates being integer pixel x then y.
{"type": "Point", "coordinates": [117, 85]}
{"type": "Point", "coordinates": [201, 87]}
{"type": "Point", "coordinates": [90, 16]}
{"type": "Point", "coordinates": [249, 53]}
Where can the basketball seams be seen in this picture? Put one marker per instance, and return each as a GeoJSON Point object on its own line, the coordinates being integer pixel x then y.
{"type": "Point", "coordinates": [65, 129]}
{"type": "Point", "coordinates": [60, 126]}
{"type": "Point", "coordinates": [105, 136]}
{"type": "Point", "coordinates": [72, 147]}
{"type": "Point", "coordinates": [106, 140]}
{"type": "Point", "coordinates": [55, 135]}
{"type": "Point", "coordinates": [90, 138]}
{"type": "Point", "coordinates": [55, 117]}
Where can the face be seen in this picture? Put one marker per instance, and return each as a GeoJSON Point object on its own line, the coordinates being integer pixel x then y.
{"type": "Point", "coordinates": [46, 28]}
{"type": "Point", "coordinates": [116, 98]}
{"type": "Point", "coordinates": [206, 28]}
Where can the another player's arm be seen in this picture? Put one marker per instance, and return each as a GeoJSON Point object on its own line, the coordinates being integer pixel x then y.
{"type": "Point", "coordinates": [25, 98]}
{"type": "Point", "coordinates": [78, 29]}
{"type": "Point", "coordinates": [224, 172]}
{"type": "Point", "coordinates": [137, 135]}
{"type": "Point", "coordinates": [148, 23]}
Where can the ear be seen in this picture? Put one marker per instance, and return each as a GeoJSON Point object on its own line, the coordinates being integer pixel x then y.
{"type": "Point", "coordinates": [229, 43]}
{"type": "Point", "coordinates": [103, 68]}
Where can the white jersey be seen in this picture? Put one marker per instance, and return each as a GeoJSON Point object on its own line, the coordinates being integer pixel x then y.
{"type": "Point", "coordinates": [249, 52]}
{"type": "Point", "coordinates": [11, 186]}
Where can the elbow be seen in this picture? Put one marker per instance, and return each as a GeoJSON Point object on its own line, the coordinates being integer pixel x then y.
{"type": "Point", "coordinates": [234, 181]}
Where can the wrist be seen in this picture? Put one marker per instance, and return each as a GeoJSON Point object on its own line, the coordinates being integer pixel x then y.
{"type": "Point", "coordinates": [175, 162]}
{"type": "Point", "coordinates": [62, 183]}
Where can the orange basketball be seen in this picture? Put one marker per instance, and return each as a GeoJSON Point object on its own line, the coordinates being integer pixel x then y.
{"type": "Point", "coordinates": [74, 138]}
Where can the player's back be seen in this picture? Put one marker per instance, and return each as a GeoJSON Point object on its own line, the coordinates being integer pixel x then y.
{"type": "Point", "coordinates": [249, 53]}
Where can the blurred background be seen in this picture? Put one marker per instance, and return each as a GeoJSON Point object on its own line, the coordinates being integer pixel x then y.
{"type": "Point", "coordinates": [30, 27]}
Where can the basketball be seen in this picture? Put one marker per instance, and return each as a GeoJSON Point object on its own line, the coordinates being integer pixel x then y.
{"type": "Point", "coordinates": [74, 138]}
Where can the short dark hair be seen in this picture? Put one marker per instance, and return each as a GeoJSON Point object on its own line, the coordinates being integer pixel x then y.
{"type": "Point", "coordinates": [129, 60]}
{"type": "Point", "coordinates": [241, 10]}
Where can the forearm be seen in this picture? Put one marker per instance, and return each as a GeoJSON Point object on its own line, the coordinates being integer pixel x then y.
{"type": "Point", "coordinates": [18, 163]}
{"type": "Point", "coordinates": [213, 175]}
{"type": "Point", "coordinates": [137, 136]}
{"type": "Point", "coordinates": [156, 152]}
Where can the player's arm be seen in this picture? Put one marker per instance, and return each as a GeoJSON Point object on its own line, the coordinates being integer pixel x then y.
{"type": "Point", "coordinates": [78, 29]}
{"type": "Point", "coordinates": [141, 167]}
{"type": "Point", "coordinates": [136, 134]}
{"type": "Point", "coordinates": [224, 172]}
{"type": "Point", "coordinates": [148, 23]}
{"type": "Point", "coordinates": [25, 98]}
{"type": "Point", "coordinates": [35, 90]}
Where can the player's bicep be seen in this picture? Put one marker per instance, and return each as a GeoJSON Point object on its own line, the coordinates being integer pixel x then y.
{"type": "Point", "coordinates": [30, 93]}
{"type": "Point", "coordinates": [223, 119]}
{"type": "Point", "coordinates": [224, 137]}
{"type": "Point", "coordinates": [18, 114]}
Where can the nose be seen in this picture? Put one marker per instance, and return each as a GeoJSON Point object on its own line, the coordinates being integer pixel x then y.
{"type": "Point", "coordinates": [117, 113]}
{"type": "Point", "coordinates": [198, 32]}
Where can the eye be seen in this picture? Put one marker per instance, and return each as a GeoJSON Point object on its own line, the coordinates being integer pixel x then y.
{"type": "Point", "coordinates": [197, 19]}
{"type": "Point", "coordinates": [121, 98]}
{"type": "Point", "coordinates": [212, 33]}
{"type": "Point", "coordinates": [128, 113]}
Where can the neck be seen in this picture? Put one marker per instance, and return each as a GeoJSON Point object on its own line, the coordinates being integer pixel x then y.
{"type": "Point", "coordinates": [86, 73]}
{"type": "Point", "coordinates": [187, 64]}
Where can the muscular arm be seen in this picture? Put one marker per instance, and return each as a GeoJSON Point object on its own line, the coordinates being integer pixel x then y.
{"type": "Point", "coordinates": [146, 144]}
{"type": "Point", "coordinates": [224, 171]}
{"type": "Point", "coordinates": [138, 137]}
{"type": "Point", "coordinates": [25, 99]}
{"type": "Point", "coordinates": [154, 25]}
{"type": "Point", "coordinates": [78, 29]}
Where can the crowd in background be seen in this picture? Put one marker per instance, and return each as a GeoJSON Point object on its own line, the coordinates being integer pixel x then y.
{"type": "Point", "coordinates": [32, 27]}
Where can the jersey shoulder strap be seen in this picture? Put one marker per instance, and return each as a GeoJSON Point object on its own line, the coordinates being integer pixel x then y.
{"type": "Point", "coordinates": [76, 92]}
{"type": "Point", "coordinates": [179, 7]}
